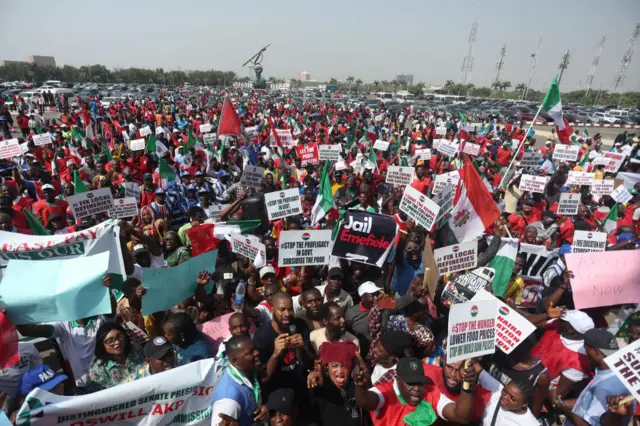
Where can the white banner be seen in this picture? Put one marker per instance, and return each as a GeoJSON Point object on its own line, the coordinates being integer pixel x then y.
{"type": "Point", "coordinates": [248, 247]}
{"type": "Point", "coordinates": [533, 183]}
{"type": "Point", "coordinates": [580, 178]}
{"type": "Point", "coordinates": [418, 207]}
{"type": "Point", "coordinates": [42, 139]}
{"type": "Point", "coordinates": [132, 189]}
{"type": "Point", "coordinates": [456, 257]}
{"type": "Point", "coordinates": [399, 175]}
{"type": "Point", "coordinates": [205, 128]}
{"type": "Point", "coordinates": [283, 203]}
{"type": "Point", "coordinates": [448, 148]}
{"type": "Point", "coordinates": [442, 180]}
{"type": "Point", "coordinates": [588, 241]}
{"type": "Point", "coordinates": [252, 176]}
{"type": "Point", "coordinates": [10, 148]}
{"type": "Point", "coordinates": [91, 202]}
{"type": "Point", "coordinates": [137, 144]}
{"type": "Point", "coordinates": [471, 148]}
{"type": "Point", "coordinates": [612, 161]}
{"type": "Point", "coordinates": [124, 207]}
{"type": "Point", "coordinates": [329, 152]}
{"type": "Point", "coordinates": [300, 248]}
{"type": "Point", "coordinates": [566, 152]}
{"type": "Point", "coordinates": [381, 145]}
{"type": "Point", "coordinates": [180, 396]}
{"type": "Point", "coordinates": [621, 195]}
{"type": "Point", "coordinates": [568, 204]}
{"type": "Point", "coordinates": [471, 330]}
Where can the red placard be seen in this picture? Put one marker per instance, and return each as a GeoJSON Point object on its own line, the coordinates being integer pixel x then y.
{"type": "Point", "coordinates": [308, 154]}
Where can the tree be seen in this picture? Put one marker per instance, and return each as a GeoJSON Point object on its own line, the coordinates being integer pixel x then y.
{"type": "Point", "coordinates": [521, 88]}
{"type": "Point", "coordinates": [333, 81]}
{"type": "Point", "coordinates": [505, 85]}
{"type": "Point", "coordinates": [376, 83]}
{"type": "Point", "coordinates": [448, 85]}
{"type": "Point", "coordinates": [358, 83]}
{"type": "Point", "coordinates": [293, 82]}
{"type": "Point", "coordinates": [350, 80]}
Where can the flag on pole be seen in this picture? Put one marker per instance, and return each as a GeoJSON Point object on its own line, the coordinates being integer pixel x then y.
{"type": "Point", "coordinates": [229, 120]}
{"type": "Point", "coordinates": [324, 202]}
{"type": "Point", "coordinates": [586, 133]}
{"type": "Point", "coordinates": [503, 264]}
{"type": "Point", "coordinates": [167, 173]}
{"type": "Point", "coordinates": [34, 224]}
{"type": "Point", "coordinates": [151, 144]}
{"type": "Point", "coordinates": [373, 158]}
{"type": "Point", "coordinates": [552, 105]}
{"type": "Point", "coordinates": [462, 132]}
{"type": "Point", "coordinates": [235, 227]}
{"type": "Point", "coordinates": [202, 239]}
{"type": "Point", "coordinates": [78, 184]}
{"type": "Point", "coordinates": [610, 223]}
{"type": "Point", "coordinates": [104, 152]}
{"type": "Point", "coordinates": [350, 141]}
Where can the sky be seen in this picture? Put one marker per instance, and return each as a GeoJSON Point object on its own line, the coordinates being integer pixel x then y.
{"type": "Point", "coordinates": [370, 40]}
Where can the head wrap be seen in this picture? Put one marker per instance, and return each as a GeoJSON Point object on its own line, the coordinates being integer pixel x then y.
{"type": "Point", "coordinates": [342, 352]}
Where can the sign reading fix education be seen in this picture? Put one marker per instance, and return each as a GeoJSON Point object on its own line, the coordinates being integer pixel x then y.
{"type": "Point", "coordinates": [588, 241]}
{"type": "Point", "coordinates": [252, 176]}
{"type": "Point", "coordinates": [456, 257]}
{"type": "Point", "coordinates": [533, 183]}
{"type": "Point", "coordinates": [399, 175]}
{"type": "Point", "coordinates": [420, 208]}
{"type": "Point", "coordinates": [283, 203]}
{"type": "Point", "coordinates": [91, 202]}
{"type": "Point", "coordinates": [300, 248]}
{"type": "Point", "coordinates": [471, 330]}
{"type": "Point", "coordinates": [568, 204]}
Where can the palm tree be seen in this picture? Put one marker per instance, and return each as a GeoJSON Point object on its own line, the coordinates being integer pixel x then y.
{"type": "Point", "coordinates": [496, 85]}
{"type": "Point", "coordinates": [469, 88]}
{"type": "Point", "coordinates": [448, 85]}
{"type": "Point", "coordinates": [521, 88]}
{"type": "Point", "coordinates": [384, 83]}
{"type": "Point", "coordinates": [395, 84]}
{"type": "Point", "coordinates": [376, 83]}
{"type": "Point", "coordinates": [292, 83]}
{"type": "Point", "coordinates": [505, 85]}
{"type": "Point", "coordinates": [333, 81]}
{"type": "Point", "coordinates": [358, 83]}
{"type": "Point", "coordinates": [350, 80]}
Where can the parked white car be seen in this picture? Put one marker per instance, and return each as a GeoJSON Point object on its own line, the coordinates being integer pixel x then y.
{"type": "Point", "coordinates": [604, 118]}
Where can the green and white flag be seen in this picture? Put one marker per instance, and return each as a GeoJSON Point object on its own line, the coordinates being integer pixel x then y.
{"type": "Point", "coordinates": [220, 229]}
{"type": "Point", "coordinates": [167, 174]}
{"type": "Point", "coordinates": [610, 223]}
{"type": "Point", "coordinates": [324, 202]}
{"type": "Point", "coordinates": [503, 264]}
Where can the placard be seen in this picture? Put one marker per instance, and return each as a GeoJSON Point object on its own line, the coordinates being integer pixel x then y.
{"type": "Point", "coordinates": [252, 133]}
{"type": "Point", "coordinates": [124, 207]}
{"type": "Point", "coordinates": [205, 128]}
{"type": "Point", "coordinates": [248, 247]}
{"type": "Point", "coordinates": [132, 189]}
{"type": "Point", "coordinates": [588, 242]}
{"type": "Point", "coordinates": [423, 154]}
{"type": "Point", "coordinates": [621, 195]}
{"type": "Point", "coordinates": [125, 135]}
{"type": "Point", "coordinates": [471, 148]}
{"type": "Point", "coordinates": [580, 178]}
{"type": "Point", "coordinates": [471, 330]}
{"type": "Point", "coordinates": [307, 154]}
{"type": "Point", "coordinates": [399, 175]}
{"type": "Point", "coordinates": [329, 152]}
{"type": "Point", "coordinates": [285, 136]}
{"type": "Point", "coordinates": [456, 257]}
{"type": "Point", "coordinates": [612, 161]}
{"type": "Point", "coordinates": [601, 187]}
{"type": "Point", "coordinates": [91, 202]}
{"type": "Point", "coordinates": [24, 148]}
{"type": "Point", "coordinates": [568, 204]}
{"type": "Point", "coordinates": [381, 145]}
{"type": "Point", "coordinates": [10, 148]}
{"type": "Point", "coordinates": [365, 237]}
{"type": "Point", "coordinates": [209, 138]}
{"type": "Point", "coordinates": [465, 286]}
{"type": "Point", "coordinates": [444, 199]}
{"type": "Point", "coordinates": [566, 152]}
{"type": "Point", "coordinates": [441, 180]}
{"type": "Point", "coordinates": [533, 183]}
{"type": "Point", "coordinates": [252, 176]}
{"type": "Point", "coordinates": [145, 131]}
{"type": "Point", "coordinates": [441, 131]}
{"type": "Point", "coordinates": [530, 160]}
{"type": "Point", "coordinates": [625, 364]}
{"type": "Point", "coordinates": [448, 148]}
{"type": "Point", "coordinates": [281, 204]}
{"type": "Point", "coordinates": [137, 144]}
{"type": "Point", "coordinates": [300, 248]}
{"type": "Point", "coordinates": [418, 207]}
{"type": "Point", "coordinates": [42, 139]}
{"type": "Point", "coordinates": [511, 327]}
{"type": "Point", "coordinates": [214, 210]}
{"type": "Point", "coordinates": [436, 144]}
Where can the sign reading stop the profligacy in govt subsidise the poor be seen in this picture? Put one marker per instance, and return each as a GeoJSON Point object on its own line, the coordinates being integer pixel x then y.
{"type": "Point", "coordinates": [91, 202]}
{"type": "Point", "coordinates": [299, 248]}
{"type": "Point", "coordinates": [471, 330]}
{"type": "Point", "coordinates": [283, 203]}
{"type": "Point", "coordinates": [456, 257]}
{"type": "Point", "coordinates": [418, 207]}
{"type": "Point", "coordinates": [533, 183]}
{"type": "Point", "coordinates": [252, 176]}
{"type": "Point", "coordinates": [399, 175]}
{"type": "Point", "coordinates": [568, 204]}
{"type": "Point", "coordinates": [588, 241]}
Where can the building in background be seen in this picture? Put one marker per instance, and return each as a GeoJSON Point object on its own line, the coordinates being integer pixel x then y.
{"type": "Point", "coordinates": [6, 62]}
{"type": "Point", "coordinates": [42, 61]}
{"type": "Point", "coordinates": [405, 78]}
{"type": "Point", "coordinates": [303, 76]}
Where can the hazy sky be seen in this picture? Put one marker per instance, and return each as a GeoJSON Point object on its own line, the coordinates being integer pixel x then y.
{"type": "Point", "coordinates": [371, 40]}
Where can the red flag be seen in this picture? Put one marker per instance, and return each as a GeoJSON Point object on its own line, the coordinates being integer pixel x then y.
{"type": "Point", "coordinates": [273, 130]}
{"type": "Point", "coordinates": [229, 120]}
{"type": "Point", "coordinates": [202, 239]}
{"type": "Point", "coordinates": [373, 137]}
{"type": "Point", "coordinates": [8, 343]}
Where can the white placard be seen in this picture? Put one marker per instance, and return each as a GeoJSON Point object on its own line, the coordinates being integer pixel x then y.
{"type": "Point", "coordinates": [448, 148]}
{"type": "Point", "coordinates": [579, 178]}
{"type": "Point", "coordinates": [612, 161]}
{"type": "Point", "coordinates": [419, 207]}
{"type": "Point", "coordinates": [381, 145]}
{"type": "Point", "coordinates": [442, 180]}
{"type": "Point", "coordinates": [124, 207]}
{"type": "Point", "coordinates": [588, 241]}
{"type": "Point", "coordinates": [91, 202]}
{"type": "Point", "coordinates": [530, 160]}
{"type": "Point", "coordinates": [533, 183]}
{"type": "Point", "coordinates": [248, 247]}
{"type": "Point", "coordinates": [252, 176]}
{"type": "Point", "coordinates": [566, 152]}
{"type": "Point", "coordinates": [137, 144]}
{"type": "Point", "coordinates": [601, 187]}
{"type": "Point", "coordinates": [436, 144]}
{"type": "Point", "coordinates": [329, 152]}
{"type": "Point", "coordinates": [568, 204]}
{"type": "Point", "coordinates": [24, 148]}
{"type": "Point", "coordinates": [423, 154]}
{"type": "Point", "coordinates": [471, 148]}
{"type": "Point", "coordinates": [399, 175]}
{"type": "Point", "coordinates": [209, 138]}
{"type": "Point", "coordinates": [125, 135]}
{"type": "Point", "coordinates": [300, 248]}
{"type": "Point", "coordinates": [145, 131]}
{"type": "Point", "coordinates": [471, 330]}
{"type": "Point", "coordinates": [214, 210]}
{"type": "Point", "coordinates": [511, 327]}
{"type": "Point", "coordinates": [281, 204]}
{"type": "Point", "coordinates": [205, 128]}
{"type": "Point", "coordinates": [621, 195]}
{"type": "Point", "coordinates": [625, 364]}
{"type": "Point", "coordinates": [10, 148]}
{"type": "Point", "coordinates": [132, 189]}
{"type": "Point", "coordinates": [456, 257]}
{"type": "Point", "coordinates": [285, 136]}
{"type": "Point", "coordinates": [441, 131]}
{"type": "Point", "coordinates": [341, 165]}
{"type": "Point", "coordinates": [42, 139]}
{"type": "Point", "coordinates": [444, 199]}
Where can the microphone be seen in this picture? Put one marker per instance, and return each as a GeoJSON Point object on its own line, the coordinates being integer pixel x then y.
{"type": "Point", "coordinates": [293, 330]}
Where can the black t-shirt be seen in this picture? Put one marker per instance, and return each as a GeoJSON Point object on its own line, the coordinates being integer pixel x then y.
{"type": "Point", "coordinates": [331, 407]}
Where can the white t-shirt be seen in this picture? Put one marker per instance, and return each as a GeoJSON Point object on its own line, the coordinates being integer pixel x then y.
{"type": "Point", "coordinates": [378, 372]}
{"type": "Point", "coordinates": [505, 418]}
{"type": "Point", "coordinates": [10, 377]}
{"type": "Point", "coordinates": [156, 262]}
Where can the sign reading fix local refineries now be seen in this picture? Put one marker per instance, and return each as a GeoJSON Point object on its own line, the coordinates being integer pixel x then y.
{"type": "Point", "coordinates": [91, 202]}
{"type": "Point", "coordinates": [365, 237]}
{"type": "Point", "coordinates": [299, 248]}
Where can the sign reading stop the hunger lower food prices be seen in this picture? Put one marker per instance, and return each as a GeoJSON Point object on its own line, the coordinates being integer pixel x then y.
{"type": "Point", "coordinates": [580, 178]}
{"type": "Point", "coordinates": [472, 330]}
{"type": "Point", "coordinates": [300, 248]}
{"type": "Point", "coordinates": [621, 195]}
{"type": "Point", "coordinates": [329, 152]}
{"type": "Point", "coordinates": [566, 152]}
{"type": "Point", "coordinates": [124, 207]}
{"type": "Point", "coordinates": [456, 257]}
{"type": "Point", "coordinates": [588, 241]}
{"type": "Point", "coordinates": [91, 202]}
{"type": "Point", "coordinates": [419, 207]}
{"type": "Point", "coordinates": [307, 154]}
{"type": "Point", "coordinates": [252, 176]}
{"type": "Point", "coordinates": [625, 364]}
{"type": "Point", "coordinates": [442, 180]}
{"type": "Point", "coordinates": [283, 203]}
{"type": "Point", "coordinates": [42, 139]}
{"type": "Point", "coordinates": [568, 204]}
{"type": "Point", "coordinates": [137, 144]}
{"type": "Point", "coordinates": [533, 183]}
{"type": "Point", "coordinates": [10, 148]}
{"type": "Point", "coordinates": [399, 175]}
{"type": "Point", "coordinates": [511, 327]}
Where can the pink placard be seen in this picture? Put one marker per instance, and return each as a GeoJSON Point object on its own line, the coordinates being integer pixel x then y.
{"type": "Point", "coordinates": [217, 331]}
{"type": "Point", "coordinates": [604, 278]}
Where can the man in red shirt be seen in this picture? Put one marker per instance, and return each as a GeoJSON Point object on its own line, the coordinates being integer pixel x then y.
{"type": "Point", "coordinates": [517, 222]}
{"type": "Point", "coordinates": [23, 124]}
{"type": "Point", "coordinates": [421, 182]}
{"type": "Point", "coordinates": [42, 209]}
{"type": "Point", "coordinates": [504, 154]}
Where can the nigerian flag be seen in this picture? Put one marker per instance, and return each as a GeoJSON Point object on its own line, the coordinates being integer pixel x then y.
{"type": "Point", "coordinates": [220, 229]}
{"type": "Point", "coordinates": [373, 158]}
{"type": "Point", "coordinates": [324, 202]}
{"type": "Point", "coordinates": [167, 173]}
{"type": "Point", "coordinates": [350, 141]}
{"type": "Point", "coordinates": [78, 184]}
{"type": "Point", "coordinates": [151, 144]}
{"type": "Point", "coordinates": [503, 264]}
{"type": "Point", "coordinates": [610, 223]}
{"type": "Point", "coordinates": [34, 224]}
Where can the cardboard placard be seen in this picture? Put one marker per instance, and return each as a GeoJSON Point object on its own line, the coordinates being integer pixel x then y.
{"type": "Point", "coordinates": [568, 204]}
{"type": "Point", "coordinates": [456, 257]}
{"type": "Point", "coordinates": [601, 187]}
{"type": "Point", "coordinates": [124, 207]}
{"type": "Point", "coordinates": [448, 148]}
{"type": "Point", "coordinates": [137, 144]}
{"type": "Point", "coordinates": [145, 131]}
{"type": "Point", "coordinates": [588, 242]}
{"type": "Point", "coordinates": [205, 128]}
{"type": "Point", "coordinates": [612, 161]}
{"type": "Point", "coordinates": [580, 178]}
{"type": "Point", "coordinates": [471, 330]}
{"type": "Point", "coordinates": [446, 178]}
{"type": "Point", "coordinates": [248, 247]}
{"type": "Point", "coordinates": [10, 148]}
{"type": "Point", "coordinates": [214, 210]}
{"type": "Point", "coordinates": [42, 139]}
{"type": "Point", "coordinates": [132, 189]}
{"type": "Point", "coordinates": [330, 152]}
{"type": "Point", "coordinates": [308, 154]}
{"type": "Point", "coordinates": [621, 195]}
{"type": "Point", "coordinates": [420, 208]}
{"type": "Point", "coordinates": [300, 248]}
{"type": "Point", "coordinates": [91, 202]}
{"type": "Point", "coordinates": [281, 204]}
{"type": "Point", "coordinates": [472, 149]}
{"type": "Point", "coordinates": [566, 152]}
{"type": "Point", "coordinates": [252, 176]}
{"type": "Point", "coordinates": [533, 183]}
{"type": "Point", "coordinates": [381, 145]}
{"type": "Point", "coordinates": [530, 160]}
{"type": "Point", "coordinates": [399, 175]}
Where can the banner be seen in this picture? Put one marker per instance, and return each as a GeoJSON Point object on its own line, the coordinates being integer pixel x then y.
{"type": "Point", "coordinates": [124, 207]}
{"type": "Point", "coordinates": [91, 202]}
{"type": "Point", "coordinates": [42, 139]}
{"type": "Point", "coordinates": [533, 183]}
{"type": "Point", "coordinates": [566, 152]}
{"type": "Point", "coordinates": [568, 204]}
{"type": "Point", "coordinates": [365, 237]}
{"type": "Point", "coordinates": [180, 396]}
{"type": "Point", "coordinates": [604, 279]}
{"type": "Point", "coordinates": [252, 176]}
{"type": "Point", "coordinates": [10, 148]}
{"type": "Point", "coordinates": [308, 154]}
{"type": "Point", "coordinates": [588, 242]}
{"type": "Point", "coordinates": [448, 148]}
{"type": "Point", "coordinates": [381, 145]}
{"type": "Point", "coordinates": [205, 128]}
{"type": "Point", "coordinates": [625, 364]}
{"type": "Point", "coordinates": [248, 247]}
{"type": "Point", "coordinates": [457, 257]}
{"type": "Point", "coordinates": [620, 195]}
{"type": "Point", "coordinates": [530, 160]}
{"type": "Point", "coordinates": [511, 327]}
{"type": "Point", "coordinates": [300, 248]}
{"type": "Point", "coordinates": [97, 239]}
{"type": "Point", "coordinates": [442, 180]}
{"type": "Point", "coordinates": [471, 330]}
{"type": "Point", "coordinates": [580, 178]}
{"type": "Point", "coordinates": [329, 152]}
{"type": "Point", "coordinates": [472, 149]}
{"type": "Point", "coordinates": [132, 189]}
{"type": "Point", "coordinates": [137, 144]}
{"type": "Point", "coordinates": [283, 203]}
{"type": "Point", "coordinates": [600, 187]}
{"type": "Point", "coordinates": [399, 175]}
{"type": "Point", "coordinates": [418, 207]}
{"type": "Point", "coordinates": [612, 161]}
